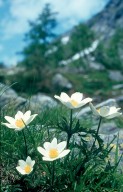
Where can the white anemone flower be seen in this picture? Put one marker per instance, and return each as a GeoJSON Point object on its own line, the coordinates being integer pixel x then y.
{"type": "Point", "coordinates": [75, 101]}
{"type": "Point", "coordinates": [106, 111]}
{"type": "Point", "coordinates": [25, 167]}
{"type": "Point", "coordinates": [20, 121]}
{"type": "Point", "coordinates": [53, 150]}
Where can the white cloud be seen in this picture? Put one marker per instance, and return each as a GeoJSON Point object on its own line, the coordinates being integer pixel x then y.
{"type": "Point", "coordinates": [10, 61]}
{"type": "Point", "coordinates": [70, 12]}
{"type": "Point", "coordinates": [20, 12]}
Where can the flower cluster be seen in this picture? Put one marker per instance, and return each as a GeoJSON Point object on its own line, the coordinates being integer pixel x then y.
{"type": "Point", "coordinates": [76, 101]}
{"type": "Point", "coordinates": [53, 150]}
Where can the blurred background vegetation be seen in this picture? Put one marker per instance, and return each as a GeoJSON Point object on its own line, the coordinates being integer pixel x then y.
{"type": "Point", "coordinates": [83, 59]}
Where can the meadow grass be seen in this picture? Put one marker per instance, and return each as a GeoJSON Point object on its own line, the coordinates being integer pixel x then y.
{"type": "Point", "coordinates": [84, 169]}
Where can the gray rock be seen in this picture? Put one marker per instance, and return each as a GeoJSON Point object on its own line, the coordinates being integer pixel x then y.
{"type": "Point", "coordinates": [119, 86]}
{"type": "Point", "coordinates": [96, 66]}
{"type": "Point", "coordinates": [109, 128]}
{"type": "Point", "coordinates": [7, 91]}
{"type": "Point", "coordinates": [59, 81]}
{"type": "Point", "coordinates": [14, 103]}
{"type": "Point", "coordinates": [10, 100]}
{"type": "Point", "coordinates": [43, 101]}
{"type": "Point", "coordinates": [119, 100]}
{"type": "Point", "coordinates": [108, 20]}
{"type": "Point", "coordinates": [115, 75]}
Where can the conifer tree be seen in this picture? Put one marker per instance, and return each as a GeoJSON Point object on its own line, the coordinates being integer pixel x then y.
{"type": "Point", "coordinates": [38, 39]}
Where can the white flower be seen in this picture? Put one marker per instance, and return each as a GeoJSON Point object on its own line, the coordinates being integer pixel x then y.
{"type": "Point", "coordinates": [106, 111]}
{"type": "Point", "coordinates": [75, 101]}
{"type": "Point", "coordinates": [53, 151]}
{"type": "Point", "coordinates": [20, 120]}
{"type": "Point", "coordinates": [25, 167]}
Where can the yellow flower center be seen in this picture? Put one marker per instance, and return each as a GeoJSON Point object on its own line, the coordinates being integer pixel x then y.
{"type": "Point", "coordinates": [27, 169]}
{"type": "Point", "coordinates": [98, 110]}
{"type": "Point", "coordinates": [53, 153]}
{"type": "Point", "coordinates": [74, 103]}
{"type": "Point", "coordinates": [19, 123]}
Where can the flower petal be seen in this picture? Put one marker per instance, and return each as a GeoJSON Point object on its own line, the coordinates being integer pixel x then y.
{"type": "Point", "coordinates": [9, 125]}
{"type": "Point", "coordinates": [104, 111]}
{"type": "Point", "coordinates": [54, 143]}
{"type": "Point", "coordinates": [19, 115]}
{"type": "Point", "coordinates": [64, 97]}
{"type": "Point", "coordinates": [94, 109]}
{"type": "Point", "coordinates": [57, 97]}
{"type": "Point", "coordinates": [20, 170]}
{"type": "Point", "coordinates": [43, 151]}
{"type": "Point", "coordinates": [113, 110]}
{"type": "Point", "coordinates": [84, 102]}
{"type": "Point", "coordinates": [28, 160]}
{"type": "Point", "coordinates": [30, 119]}
{"type": "Point", "coordinates": [64, 153]}
{"type": "Point", "coordinates": [113, 115]}
{"type": "Point", "coordinates": [32, 163]}
{"type": "Point", "coordinates": [61, 146]}
{"type": "Point", "coordinates": [27, 115]}
{"type": "Point", "coordinates": [68, 104]}
{"type": "Point", "coordinates": [22, 163]}
{"type": "Point", "coordinates": [47, 145]}
{"type": "Point", "coordinates": [11, 120]}
{"type": "Point", "coordinates": [47, 159]}
{"type": "Point", "coordinates": [77, 96]}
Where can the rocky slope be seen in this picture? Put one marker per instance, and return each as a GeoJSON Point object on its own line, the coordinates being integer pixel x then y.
{"type": "Point", "coordinates": [106, 22]}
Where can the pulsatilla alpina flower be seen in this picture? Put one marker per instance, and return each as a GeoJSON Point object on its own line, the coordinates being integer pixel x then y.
{"type": "Point", "coordinates": [75, 101]}
{"type": "Point", "coordinates": [106, 111]}
{"type": "Point", "coordinates": [53, 151]}
{"type": "Point", "coordinates": [25, 167]}
{"type": "Point", "coordinates": [20, 120]}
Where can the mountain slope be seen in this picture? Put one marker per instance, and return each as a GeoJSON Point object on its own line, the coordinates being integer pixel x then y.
{"type": "Point", "coordinates": [107, 21]}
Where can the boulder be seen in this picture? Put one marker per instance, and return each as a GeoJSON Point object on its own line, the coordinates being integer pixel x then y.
{"type": "Point", "coordinates": [115, 75]}
{"type": "Point", "coordinates": [109, 128]}
{"type": "Point", "coordinates": [96, 66]}
{"type": "Point", "coordinates": [43, 101]}
{"type": "Point", "coordinates": [7, 91]}
{"type": "Point", "coordinates": [119, 86]}
{"type": "Point", "coordinates": [61, 82]}
{"type": "Point", "coordinates": [9, 99]}
{"type": "Point", "coordinates": [119, 100]}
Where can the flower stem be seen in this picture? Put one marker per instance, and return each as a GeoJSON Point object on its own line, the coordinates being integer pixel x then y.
{"type": "Point", "coordinates": [70, 127]}
{"type": "Point", "coordinates": [100, 120]}
{"type": "Point", "coordinates": [52, 176]}
{"type": "Point", "coordinates": [53, 169]}
{"type": "Point", "coordinates": [29, 134]}
{"type": "Point", "coordinates": [25, 142]}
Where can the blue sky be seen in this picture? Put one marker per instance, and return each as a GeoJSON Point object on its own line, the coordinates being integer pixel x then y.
{"type": "Point", "coordinates": [15, 14]}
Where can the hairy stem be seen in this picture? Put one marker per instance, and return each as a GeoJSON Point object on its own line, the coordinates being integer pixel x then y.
{"type": "Point", "coordinates": [25, 142]}
{"type": "Point", "coordinates": [52, 176]}
{"type": "Point", "coordinates": [100, 120]}
{"type": "Point", "coordinates": [70, 127]}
